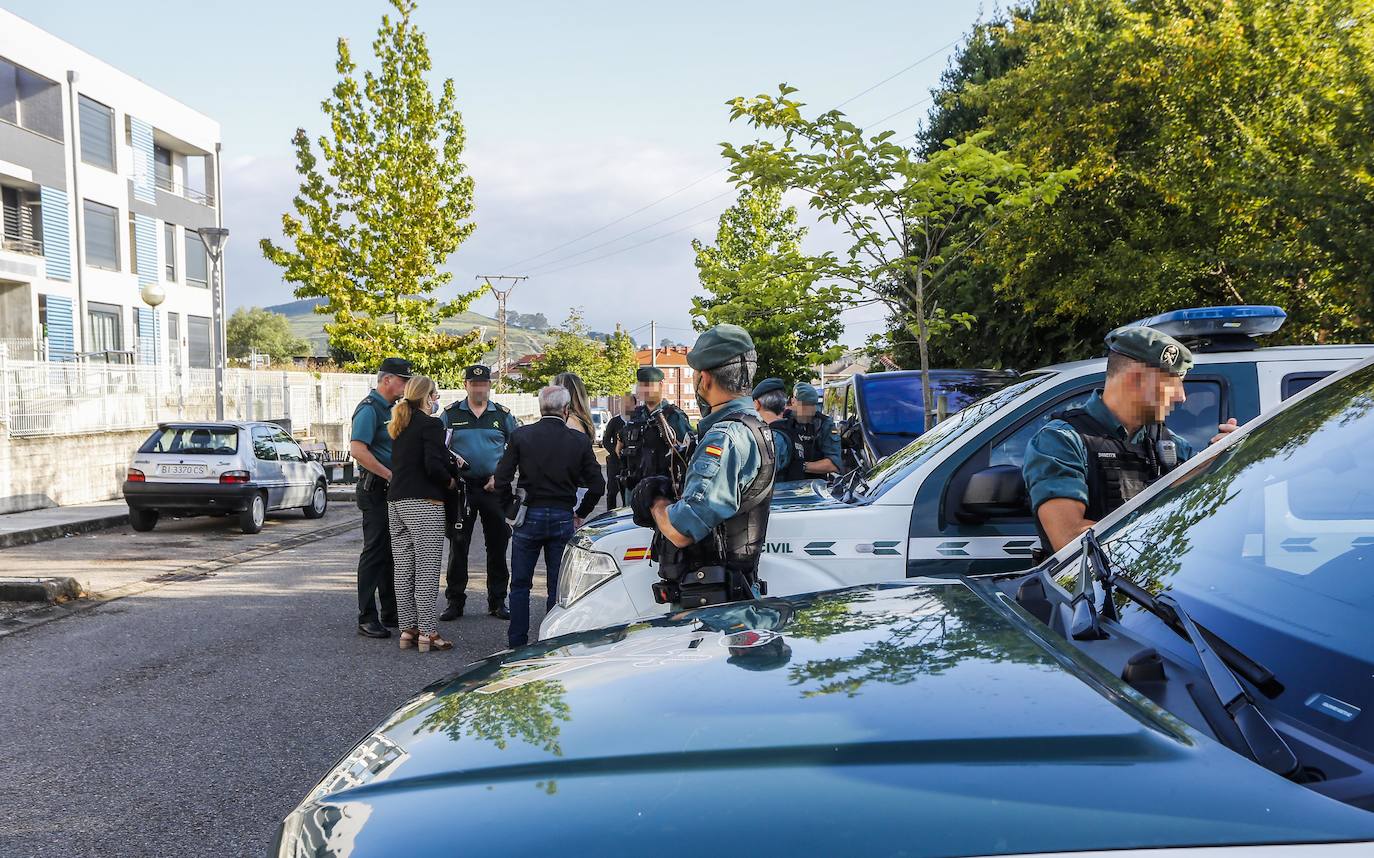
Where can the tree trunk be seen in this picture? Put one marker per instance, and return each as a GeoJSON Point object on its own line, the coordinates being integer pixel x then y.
{"type": "Point", "coordinates": [923, 343]}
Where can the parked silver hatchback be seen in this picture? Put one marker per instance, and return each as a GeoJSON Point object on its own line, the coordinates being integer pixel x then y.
{"type": "Point", "coordinates": [214, 468]}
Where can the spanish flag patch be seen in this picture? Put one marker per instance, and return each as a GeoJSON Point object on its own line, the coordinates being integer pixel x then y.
{"type": "Point", "coordinates": [636, 553]}
{"type": "Point", "coordinates": [712, 450]}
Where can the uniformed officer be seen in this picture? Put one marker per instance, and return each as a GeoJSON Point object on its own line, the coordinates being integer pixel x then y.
{"type": "Point", "coordinates": [610, 441]}
{"type": "Point", "coordinates": [644, 452]}
{"type": "Point", "coordinates": [370, 446]}
{"type": "Point", "coordinates": [1089, 461]}
{"type": "Point", "coordinates": [815, 437]}
{"type": "Point", "coordinates": [708, 538]}
{"type": "Point", "coordinates": [479, 431]}
{"type": "Point", "coordinates": [770, 398]}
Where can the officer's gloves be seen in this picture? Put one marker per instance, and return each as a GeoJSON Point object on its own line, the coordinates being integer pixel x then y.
{"type": "Point", "coordinates": [642, 499]}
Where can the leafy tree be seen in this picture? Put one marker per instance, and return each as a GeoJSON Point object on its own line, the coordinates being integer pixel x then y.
{"type": "Point", "coordinates": [385, 203]}
{"type": "Point", "coordinates": [900, 211]}
{"type": "Point", "coordinates": [257, 330]}
{"type": "Point", "coordinates": [604, 366]}
{"type": "Point", "coordinates": [751, 282]}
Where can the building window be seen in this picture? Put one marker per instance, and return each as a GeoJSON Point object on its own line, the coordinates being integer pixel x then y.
{"type": "Point", "coordinates": [21, 221]}
{"type": "Point", "coordinates": [101, 223]}
{"type": "Point", "coordinates": [107, 327]}
{"type": "Point", "coordinates": [169, 250]}
{"type": "Point", "coordinates": [197, 261]}
{"type": "Point", "coordinates": [97, 134]}
{"type": "Point", "coordinates": [173, 339]}
{"type": "Point", "coordinates": [162, 168]}
{"type": "Point", "coordinates": [199, 348]}
{"type": "Point", "coordinates": [133, 250]}
{"type": "Point", "coordinates": [30, 101]}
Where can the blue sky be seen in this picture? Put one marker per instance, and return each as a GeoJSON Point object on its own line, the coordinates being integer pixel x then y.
{"type": "Point", "coordinates": [576, 114]}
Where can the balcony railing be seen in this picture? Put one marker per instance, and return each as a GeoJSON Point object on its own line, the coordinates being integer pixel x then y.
{"type": "Point", "coordinates": [202, 197]}
{"type": "Point", "coordinates": [15, 244]}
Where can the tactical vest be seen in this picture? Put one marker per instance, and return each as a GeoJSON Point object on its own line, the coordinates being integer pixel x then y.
{"type": "Point", "coordinates": [806, 442]}
{"type": "Point", "coordinates": [1117, 470]}
{"type": "Point", "coordinates": [796, 468]}
{"type": "Point", "coordinates": [722, 566]}
{"type": "Point", "coordinates": [646, 450]}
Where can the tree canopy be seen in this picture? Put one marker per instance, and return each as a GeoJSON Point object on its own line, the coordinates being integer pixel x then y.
{"type": "Point", "coordinates": [254, 329]}
{"type": "Point", "coordinates": [605, 366]}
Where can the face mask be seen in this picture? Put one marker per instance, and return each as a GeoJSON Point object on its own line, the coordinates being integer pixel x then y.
{"type": "Point", "coordinates": [434, 406]}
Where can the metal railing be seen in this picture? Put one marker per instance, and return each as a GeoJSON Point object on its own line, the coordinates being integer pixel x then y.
{"type": "Point", "coordinates": [163, 183]}
{"type": "Point", "coordinates": [20, 348]}
{"type": "Point", "coordinates": [16, 244]}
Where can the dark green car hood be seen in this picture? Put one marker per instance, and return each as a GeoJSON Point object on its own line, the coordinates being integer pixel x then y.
{"type": "Point", "coordinates": [891, 720]}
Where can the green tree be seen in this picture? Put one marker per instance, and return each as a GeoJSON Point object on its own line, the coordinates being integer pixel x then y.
{"type": "Point", "coordinates": [604, 367]}
{"type": "Point", "coordinates": [257, 330]}
{"type": "Point", "coordinates": [622, 361]}
{"type": "Point", "coordinates": [900, 211]}
{"type": "Point", "coordinates": [385, 203]}
{"type": "Point", "coordinates": [751, 282]}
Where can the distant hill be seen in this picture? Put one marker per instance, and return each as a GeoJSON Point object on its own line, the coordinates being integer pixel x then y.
{"type": "Point", "coordinates": [305, 322]}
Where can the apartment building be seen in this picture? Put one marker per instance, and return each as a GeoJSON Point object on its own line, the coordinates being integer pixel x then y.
{"type": "Point", "coordinates": [104, 181]}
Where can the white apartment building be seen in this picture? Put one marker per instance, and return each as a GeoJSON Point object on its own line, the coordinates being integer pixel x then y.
{"type": "Point", "coordinates": [103, 180]}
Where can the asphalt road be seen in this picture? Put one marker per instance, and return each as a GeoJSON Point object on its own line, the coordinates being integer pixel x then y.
{"type": "Point", "coordinates": [189, 718]}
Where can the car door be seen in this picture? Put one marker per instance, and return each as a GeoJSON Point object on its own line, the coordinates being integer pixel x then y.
{"type": "Point", "coordinates": [297, 474]}
{"type": "Point", "coordinates": [268, 469]}
{"type": "Point", "coordinates": [946, 538]}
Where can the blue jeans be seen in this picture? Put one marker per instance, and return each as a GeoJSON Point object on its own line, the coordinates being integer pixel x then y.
{"type": "Point", "coordinates": [544, 529]}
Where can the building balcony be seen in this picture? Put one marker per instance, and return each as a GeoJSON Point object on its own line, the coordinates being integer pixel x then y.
{"type": "Point", "coordinates": [204, 198]}
{"type": "Point", "coordinates": [26, 246]}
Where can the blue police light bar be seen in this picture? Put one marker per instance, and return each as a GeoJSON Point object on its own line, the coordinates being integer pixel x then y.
{"type": "Point", "coordinates": [1207, 322]}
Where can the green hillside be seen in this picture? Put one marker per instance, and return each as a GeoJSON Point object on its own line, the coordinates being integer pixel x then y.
{"type": "Point", "coordinates": [310, 325]}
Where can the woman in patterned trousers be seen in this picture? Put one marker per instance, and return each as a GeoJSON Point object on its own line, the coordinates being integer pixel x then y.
{"type": "Point", "coordinates": [422, 470]}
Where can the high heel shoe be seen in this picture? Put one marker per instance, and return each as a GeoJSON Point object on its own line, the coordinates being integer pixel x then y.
{"type": "Point", "coordinates": [425, 643]}
{"type": "Point", "coordinates": [408, 638]}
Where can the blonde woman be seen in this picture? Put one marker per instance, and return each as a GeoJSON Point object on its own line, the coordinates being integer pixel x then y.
{"type": "Point", "coordinates": [422, 470]}
{"type": "Point", "coordinates": [580, 408]}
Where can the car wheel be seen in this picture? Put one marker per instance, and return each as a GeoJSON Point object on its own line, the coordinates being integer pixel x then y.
{"type": "Point", "coordinates": [143, 520]}
{"type": "Point", "coordinates": [319, 502]}
{"type": "Point", "coordinates": [252, 517]}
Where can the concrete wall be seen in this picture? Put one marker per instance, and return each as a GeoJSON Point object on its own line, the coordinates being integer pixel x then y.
{"type": "Point", "coordinates": [64, 469]}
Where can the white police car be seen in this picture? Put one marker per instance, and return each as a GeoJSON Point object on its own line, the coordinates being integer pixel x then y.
{"type": "Point", "coordinates": [920, 511]}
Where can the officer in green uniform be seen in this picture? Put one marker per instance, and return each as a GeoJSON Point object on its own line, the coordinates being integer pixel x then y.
{"type": "Point", "coordinates": [644, 450]}
{"type": "Point", "coordinates": [770, 399]}
{"type": "Point", "coordinates": [1089, 461]}
{"type": "Point", "coordinates": [710, 533]}
{"type": "Point", "coordinates": [479, 431]}
{"type": "Point", "coordinates": [370, 446]}
{"type": "Point", "coordinates": [815, 437]}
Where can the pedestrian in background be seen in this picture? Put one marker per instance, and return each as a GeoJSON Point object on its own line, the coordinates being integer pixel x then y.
{"type": "Point", "coordinates": [422, 470]}
{"type": "Point", "coordinates": [370, 445]}
{"type": "Point", "coordinates": [479, 430]}
{"type": "Point", "coordinates": [609, 442]}
{"type": "Point", "coordinates": [553, 461]}
{"type": "Point", "coordinates": [579, 404]}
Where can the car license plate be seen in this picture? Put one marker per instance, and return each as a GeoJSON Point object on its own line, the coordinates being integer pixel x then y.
{"type": "Point", "coordinates": [182, 470]}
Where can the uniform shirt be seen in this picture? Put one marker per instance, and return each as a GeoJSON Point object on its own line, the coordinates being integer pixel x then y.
{"type": "Point", "coordinates": [726, 461]}
{"type": "Point", "coordinates": [782, 446]}
{"type": "Point", "coordinates": [1056, 463]}
{"type": "Point", "coordinates": [370, 428]}
{"type": "Point", "coordinates": [480, 441]}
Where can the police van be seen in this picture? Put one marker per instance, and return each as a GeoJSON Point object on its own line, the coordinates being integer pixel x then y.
{"type": "Point", "coordinates": [952, 501]}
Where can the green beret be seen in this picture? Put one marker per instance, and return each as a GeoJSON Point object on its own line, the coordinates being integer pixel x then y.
{"type": "Point", "coordinates": [648, 373]}
{"type": "Point", "coordinates": [768, 385]}
{"type": "Point", "coordinates": [805, 394]}
{"type": "Point", "coordinates": [718, 345]}
{"type": "Point", "coordinates": [1151, 348]}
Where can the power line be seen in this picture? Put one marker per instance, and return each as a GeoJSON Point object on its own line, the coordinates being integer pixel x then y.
{"type": "Point", "coordinates": [897, 74]}
{"type": "Point", "coordinates": [632, 246]}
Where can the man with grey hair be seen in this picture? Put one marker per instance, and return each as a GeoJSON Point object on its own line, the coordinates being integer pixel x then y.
{"type": "Point", "coordinates": [553, 462]}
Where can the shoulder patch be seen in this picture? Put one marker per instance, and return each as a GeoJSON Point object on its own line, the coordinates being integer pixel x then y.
{"type": "Point", "coordinates": [713, 450]}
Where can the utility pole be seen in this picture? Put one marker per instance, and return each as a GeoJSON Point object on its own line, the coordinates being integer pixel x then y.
{"type": "Point", "coordinates": [653, 343]}
{"type": "Point", "coordinates": [502, 348]}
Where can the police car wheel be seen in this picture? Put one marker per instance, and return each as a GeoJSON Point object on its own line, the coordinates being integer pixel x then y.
{"type": "Point", "coordinates": [143, 520]}
{"type": "Point", "coordinates": [253, 516]}
{"type": "Point", "coordinates": [319, 502]}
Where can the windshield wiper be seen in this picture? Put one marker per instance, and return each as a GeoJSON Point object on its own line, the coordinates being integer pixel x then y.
{"type": "Point", "coordinates": [1261, 741]}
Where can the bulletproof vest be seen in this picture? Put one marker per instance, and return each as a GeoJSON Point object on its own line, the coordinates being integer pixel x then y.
{"type": "Point", "coordinates": [719, 567]}
{"type": "Point", "coordinates": [646, 450]}
{"type": "Point", "coordinates": [806, 442]}
{"type": "Point", "coordinates": [796, 468]}
{"type": "Point", "coordinates": [1117, 470]}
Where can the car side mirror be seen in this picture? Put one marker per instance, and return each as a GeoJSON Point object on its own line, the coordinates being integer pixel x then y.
{"type": "Point", "coordinates": [996, 491]}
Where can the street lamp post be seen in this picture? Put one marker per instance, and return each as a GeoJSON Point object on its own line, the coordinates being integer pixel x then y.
{"type": "Point", "coordinates": [214, 238]}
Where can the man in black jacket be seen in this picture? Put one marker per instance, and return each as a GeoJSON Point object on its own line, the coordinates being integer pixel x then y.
{"type": "Point", "coordinates": [554, 462]}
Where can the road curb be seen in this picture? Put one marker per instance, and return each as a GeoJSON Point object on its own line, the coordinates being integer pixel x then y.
{"type": "Point", "coordinates": [15, 538]}
{"type": "Point", "coordinates": [38, 589]}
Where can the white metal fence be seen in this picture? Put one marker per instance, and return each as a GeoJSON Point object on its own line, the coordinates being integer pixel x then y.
{"type": "Point", "coordinates": [44, 398]}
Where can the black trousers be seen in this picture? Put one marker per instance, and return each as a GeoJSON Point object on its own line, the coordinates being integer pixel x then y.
{"type": "Point", "coordinates": [487, 506]}
{"type": "Point", "coordinates": [612, 484]}
{"type": "Point", "coordinates": [375, 573]}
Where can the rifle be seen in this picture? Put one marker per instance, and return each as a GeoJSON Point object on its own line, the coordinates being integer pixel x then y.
{"type": "Point", "coordinates": [679, 452]}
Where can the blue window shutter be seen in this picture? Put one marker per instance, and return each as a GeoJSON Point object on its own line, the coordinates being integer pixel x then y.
{"type": "Point", "coordinates": [142, 135]}
{"type": "Point", "coordinates": [61, 342]}
{"type": "Point", "coordinates": [57, 233]}
{"type": "Point", "coordinates": [145, 239]}
{"type": "Point", "coordinates": [147, 335]}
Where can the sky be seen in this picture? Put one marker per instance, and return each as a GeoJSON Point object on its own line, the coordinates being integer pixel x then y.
{"type": "Point", "coordinates": [593, 128]}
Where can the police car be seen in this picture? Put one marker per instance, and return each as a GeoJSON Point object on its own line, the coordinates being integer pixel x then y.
{"type": "Point", "coordinates": [952, 501]}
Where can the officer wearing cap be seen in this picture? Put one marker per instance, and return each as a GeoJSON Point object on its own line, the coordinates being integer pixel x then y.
{"type": "Point", "coordinates": [1088, 461]}
{"type": "Point", "coordinates": [770, 398]}
{"type": "Point", "coordinates": [644, 451]}
{"type": "Point", "coordinates": [479, 431]}
{"type": "Point", "coordinates": [709, 535]}
{"type": "Point", "coordinates": [815, 437]}
{"type": "Point", "coordinates": [370, 446]}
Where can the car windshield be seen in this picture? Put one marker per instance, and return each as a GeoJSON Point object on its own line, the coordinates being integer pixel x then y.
{"type": "Point", "coordinates": [892, 403]}
{"type": "Point", "coordinates": [1270, 544]}
{"type": "Point", "coordinates": [891, 469]}
{"type": "Point", "coordinates": [193, 441]}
